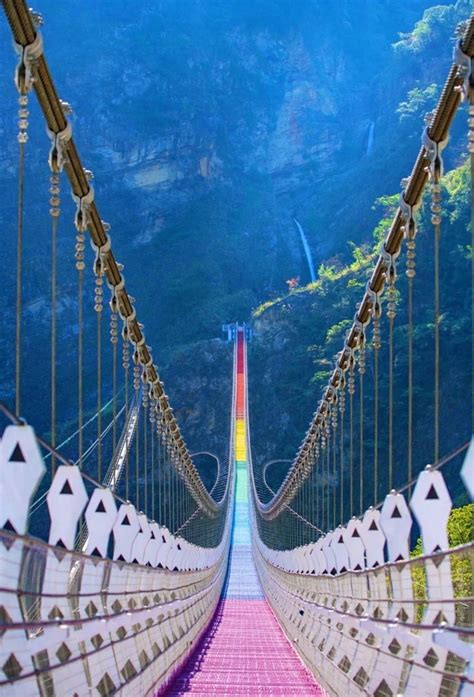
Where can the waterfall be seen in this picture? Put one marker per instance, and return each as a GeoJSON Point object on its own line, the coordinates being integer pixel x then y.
{"type": "Point", "coordinates": [370, 139]}
{"type": "Point", "coordinates": [307, 251]}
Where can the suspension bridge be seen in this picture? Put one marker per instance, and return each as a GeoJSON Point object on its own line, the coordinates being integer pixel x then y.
{"type": "Point", "coordinates": [122, 571]}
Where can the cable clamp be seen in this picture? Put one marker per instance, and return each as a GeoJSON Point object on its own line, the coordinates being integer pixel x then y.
{"type": "Point", "coordinates": [57, 155]}
{"type": "Point", "coordinates": [360, 327]}
{"type": "Point", "coordinates": [323, 408]}
{"type": "Point", "coordinates": [344, 355]}
{"type": "Point", "coordinates": [408, 214]}
{"type": "Point", "coordinates": [127, 319]}
{"type": "Point", "coordinates": [114, 302]}
{"type": "Point", "coordinates": [102, 249]}
{"type": "Point", "coordinates": [101, 252]}
{"type": "Point", "coordinates": [148, 364]}
{"type": "Point", "coordinates": [140, 343]}
{"type": "Point", "coordinates": [375, 301]}
{"type": "Point", "coordinates": [331, 394]}
{"type": "Point", "coordinates": [390, 264]}
{"type": "Point", "coordinates": [26, 67]}
{"type": "Point", "coordinates": [338, 373]}
{"type": "Point", "coordinates": [120, 285]}
{"type": "Point", "coordinates": [137, 344]}
{"type": "Point", "coordinates": [117, 287]}
{"type": "Point", "coordinates": [464, 63]}
{"type": "Point", "coordinates": [433, 153]}
{"type": "Point", "coordinates": [347, 349]}
{"type": "Point", "coordinates": [156, 381]}
{"type": "Point", "coordinates": [360, 330]}
{"type": "Point", "coordinates": [83, 203]}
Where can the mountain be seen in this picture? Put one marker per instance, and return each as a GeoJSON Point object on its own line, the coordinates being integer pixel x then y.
{"type": "Point", "coordinates": [210, 126]}
{"type": "Point", "coordinates": [297, 337]}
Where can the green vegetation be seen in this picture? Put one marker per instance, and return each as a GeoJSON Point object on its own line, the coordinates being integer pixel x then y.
{"type": "Point", "coordinates": [363, 256]}
{"type": "Point", "coordinates": [460, 532]}
{"type": "Point", "coordinates": [305, 329]}
{"type": "Point", "coordinates": [433, 26]}
{"type": "Point", "coordinates": [418, 102]}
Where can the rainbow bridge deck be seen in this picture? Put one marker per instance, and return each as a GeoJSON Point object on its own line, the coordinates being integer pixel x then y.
{"type": "Point", "coordinates": [244, 652]}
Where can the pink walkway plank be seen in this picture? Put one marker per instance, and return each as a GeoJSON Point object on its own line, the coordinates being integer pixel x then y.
{"type": "Point", "coordinates": [245, 653]}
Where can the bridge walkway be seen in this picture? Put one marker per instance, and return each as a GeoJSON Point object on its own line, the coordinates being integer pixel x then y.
{"type": "Point", "coordinates": [244, 652]}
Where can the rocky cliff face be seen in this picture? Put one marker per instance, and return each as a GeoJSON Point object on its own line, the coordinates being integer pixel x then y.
{"type": "Point", "coordinates": [201, 381]}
